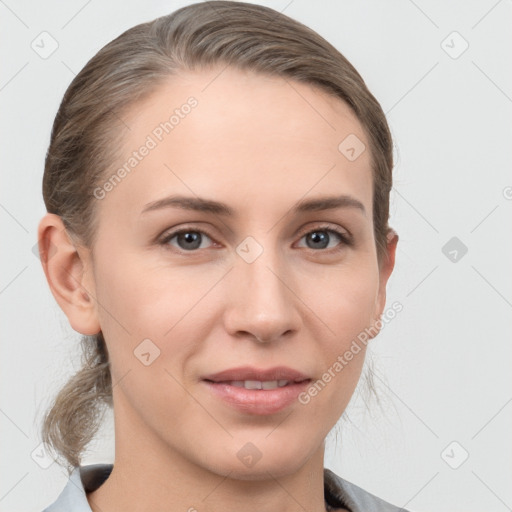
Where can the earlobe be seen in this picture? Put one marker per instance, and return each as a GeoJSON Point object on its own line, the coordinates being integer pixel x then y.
{"type": "Point", "coordinates": [66, 270]}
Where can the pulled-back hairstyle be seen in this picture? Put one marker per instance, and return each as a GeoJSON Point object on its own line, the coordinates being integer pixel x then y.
{"type": "Point", "coordinates": [88, 128]}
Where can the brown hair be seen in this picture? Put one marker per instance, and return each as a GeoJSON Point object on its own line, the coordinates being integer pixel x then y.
{"type": "Point", "coordinates": [88, 126]}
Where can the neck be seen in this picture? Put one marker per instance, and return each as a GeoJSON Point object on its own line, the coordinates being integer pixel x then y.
{"type": "Point", "coordinates": [148, 486]}
{"type": "Point", "coordinates": [142, 482]}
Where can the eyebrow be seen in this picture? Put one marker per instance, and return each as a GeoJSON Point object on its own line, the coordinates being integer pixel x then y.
{"type": "Point", "coordinates": [209, 206]}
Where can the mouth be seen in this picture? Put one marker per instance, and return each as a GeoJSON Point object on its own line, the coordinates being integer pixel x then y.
{"type": "Point", "coordinates": [258, 384]}
{"type": "Point", "coordinates": [259, 392]}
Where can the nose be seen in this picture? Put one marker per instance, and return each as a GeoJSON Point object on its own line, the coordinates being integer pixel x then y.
{"type": "Point", "coordinates": [262, 303]}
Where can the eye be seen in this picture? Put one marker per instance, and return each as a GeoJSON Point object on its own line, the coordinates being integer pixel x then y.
{"type": "Point", "coordinates": [187, 239]}
{"type": "Point", "coordinates": [320, 238]}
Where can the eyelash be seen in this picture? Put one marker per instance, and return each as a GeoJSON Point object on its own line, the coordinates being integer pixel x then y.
{"type": "Point", "coordinates": [344, 238]}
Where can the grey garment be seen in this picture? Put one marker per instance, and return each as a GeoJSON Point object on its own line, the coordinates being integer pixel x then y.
{"type": "Point", "coordinates": [339, 493]}
{"type": "Point", "coordinates": [342, 493]}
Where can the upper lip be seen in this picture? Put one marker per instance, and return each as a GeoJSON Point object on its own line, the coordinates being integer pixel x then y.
{"type": "Point", "coordinates": [251, 373]}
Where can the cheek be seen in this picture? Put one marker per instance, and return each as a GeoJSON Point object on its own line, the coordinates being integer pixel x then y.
{"type": "Point", "coordinates": [347, 308]}
{"type": "Point", "coordinates": [139, 299]}
{"type": "Point", "coordinates": [148, 309]}
{"type": "Point", "coordinates": [347, 301]}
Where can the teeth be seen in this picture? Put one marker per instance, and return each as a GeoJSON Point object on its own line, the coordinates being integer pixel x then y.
{"type": "Point", "coordinates": [258, 384]}
{"type": "Point", "coordinates": [253, 384]}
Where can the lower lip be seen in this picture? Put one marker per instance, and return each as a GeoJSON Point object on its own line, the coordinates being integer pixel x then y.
{"type": "Point", "coordinates": [257, 401]}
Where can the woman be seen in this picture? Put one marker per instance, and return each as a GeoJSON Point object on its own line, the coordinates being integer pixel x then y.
{"type": "Point", "coordinates": [217, 187]}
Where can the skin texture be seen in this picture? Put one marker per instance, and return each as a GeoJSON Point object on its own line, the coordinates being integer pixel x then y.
{"type": "Point", "coordinates": [259, 144]}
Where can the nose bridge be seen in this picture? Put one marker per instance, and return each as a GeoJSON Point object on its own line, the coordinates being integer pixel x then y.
{"type": "Point", "coordinates": [262, 302]}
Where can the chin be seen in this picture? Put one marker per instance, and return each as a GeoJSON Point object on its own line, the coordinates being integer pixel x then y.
{"type": "Point", "coordinates": [251, 463]}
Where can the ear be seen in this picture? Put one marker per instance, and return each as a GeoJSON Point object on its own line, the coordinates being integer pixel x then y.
{"type": "Point", "coordinates": [385, 268]}
{"type": "Point", "coordinates": [67, 272]}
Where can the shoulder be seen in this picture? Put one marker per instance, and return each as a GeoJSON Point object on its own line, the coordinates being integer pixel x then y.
{"type": "Point", "coordinates": [82, 479]}
{"type": "Point", "coordinates": [342, 493]}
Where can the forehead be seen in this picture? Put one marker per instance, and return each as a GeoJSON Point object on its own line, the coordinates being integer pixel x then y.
{"type": "Point", "coordinates": [213, 132]}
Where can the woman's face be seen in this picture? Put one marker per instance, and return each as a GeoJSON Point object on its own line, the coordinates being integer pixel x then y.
{"type": "Point", "coordinates": [253, 288]}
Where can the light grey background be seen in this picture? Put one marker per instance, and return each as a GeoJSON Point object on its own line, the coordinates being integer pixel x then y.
{"type": "Point", "coordinates": [443, 364]}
